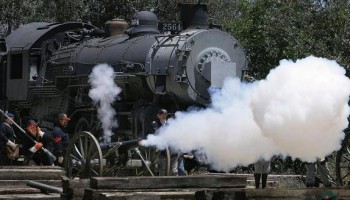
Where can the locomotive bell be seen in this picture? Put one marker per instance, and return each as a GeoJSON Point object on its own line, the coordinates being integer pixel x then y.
{"type": "Point", "coordinates": [115, 27]}
{"type": "Point", "coordinates": [143, 22]}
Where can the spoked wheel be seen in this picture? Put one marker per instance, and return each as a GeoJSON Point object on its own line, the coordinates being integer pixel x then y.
{"type": "Point", "coordinates": [156, 162]}
{"type": "Point", "coordinates": [343, 161]}
{"type": "Point", "coordinates": [84, 156]}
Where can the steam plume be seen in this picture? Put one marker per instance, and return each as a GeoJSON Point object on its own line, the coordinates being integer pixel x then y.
{"type": "Point", "coordinates": [299, 110]}
{"type": "Point", "coordinates": [103, 92]}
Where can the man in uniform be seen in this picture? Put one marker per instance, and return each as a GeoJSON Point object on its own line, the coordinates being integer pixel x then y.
{"type": "Point", "coordinates": [177, 161]}
{"type": "Point", "coordinates": [42, 140]}
{"type": "Point", "coordinates": [61, 138]}
{"type": "Point", "coordinates": [8, 139]}
{"type": "Point", "coordinates": [161, 119]}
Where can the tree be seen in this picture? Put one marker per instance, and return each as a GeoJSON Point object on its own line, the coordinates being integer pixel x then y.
{"type": "Point", "coordinates": [269, 30]}
{"type": "Point", "coordinates": [273, 30]}
{"type": "Point", "coordinates": [12, 13]}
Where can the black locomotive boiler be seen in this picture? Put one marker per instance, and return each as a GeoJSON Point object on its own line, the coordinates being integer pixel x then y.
{"type": "Point", "coordinates": [46, 67]}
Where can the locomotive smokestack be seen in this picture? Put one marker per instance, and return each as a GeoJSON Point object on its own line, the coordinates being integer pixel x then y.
{"type": "Point", "coordinates": [194, 15]}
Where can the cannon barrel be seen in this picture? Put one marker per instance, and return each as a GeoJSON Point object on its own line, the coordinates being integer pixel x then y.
{"type": "Point", "coordinates": [131, 143]}
{"type": "Point", "coordinates": [125, 144]}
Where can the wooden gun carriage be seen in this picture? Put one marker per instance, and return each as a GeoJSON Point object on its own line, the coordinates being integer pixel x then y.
{"type": "Point", "coordinates": [85, 158]}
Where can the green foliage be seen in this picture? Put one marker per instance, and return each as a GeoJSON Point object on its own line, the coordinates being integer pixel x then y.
{"type": "Point", "coordinates": [273, 30]}
{"type": "Point", "coordinates": [12, 14]}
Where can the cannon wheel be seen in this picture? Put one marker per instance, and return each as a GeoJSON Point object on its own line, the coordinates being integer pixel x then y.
{"type": "Point", "coordinates": [84, 156]}
{"type": "Point", "coordinates": [343, 161]}
{"type": "Point", "coordinates": [155, 158]}
{"type": "Point", "coordinates": [154, 163]}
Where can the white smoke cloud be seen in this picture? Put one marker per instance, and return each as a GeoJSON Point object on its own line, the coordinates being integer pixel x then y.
{"type": "Point", "coordinates": [299, 110]}
{"type": "Point", "coordinates": [103, 92]}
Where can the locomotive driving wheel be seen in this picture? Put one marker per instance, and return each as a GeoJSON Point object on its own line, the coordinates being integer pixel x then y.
{"type": "Point", "coordinates": [343, 161]}
{"type": "Point", "coordinates": [82, 125]}
{"type": "Point", "coordinates": [84, 156]}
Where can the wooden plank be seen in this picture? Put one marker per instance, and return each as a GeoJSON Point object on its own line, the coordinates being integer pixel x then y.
{"type": "Point", "coordinates": [18, 190]}
{"type": "Point", "coordinates": [99, 195]}
{"type": "Point", "coordinates": [31, 167]}
{"type": "Point", "coordinates": [3, 183]}
{"type": "Point", "coordinates": [30, 174]}
{"type": "Point", "coordinates": [232, 194]}
{"type": "Point", "coordinates": [179, 193]}
{"type": "Point", "coordinates": [312, 193]}
{"type": "Point", "coordinates": [147, 195]}
{"type": "Point", "coordinates": [31, 196]}
{"type": "Point", "coordinates": [167, 182]}
{"type": "Point", "coordinates": [229, 193]}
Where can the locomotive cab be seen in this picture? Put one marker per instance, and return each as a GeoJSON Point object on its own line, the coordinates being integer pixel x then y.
{"type": "Point", "coordinates": [28, 49]}
{"type": "Point", "coordinates": [3, 52]}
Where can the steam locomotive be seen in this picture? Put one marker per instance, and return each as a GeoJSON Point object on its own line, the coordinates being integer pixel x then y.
{"type": "Point", "coordinates": [45, 67]}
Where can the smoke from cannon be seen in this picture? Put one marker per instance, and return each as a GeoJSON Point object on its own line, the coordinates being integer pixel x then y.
{"type": "Point", "coordinates": [299, 110]}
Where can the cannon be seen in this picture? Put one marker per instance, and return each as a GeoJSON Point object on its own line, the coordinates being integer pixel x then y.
{"type": "Point", "coordinates": [85, 157]}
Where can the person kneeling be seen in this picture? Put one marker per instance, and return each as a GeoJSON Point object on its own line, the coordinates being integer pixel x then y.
{"type": "Point", "coordinates": [38, 156]}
